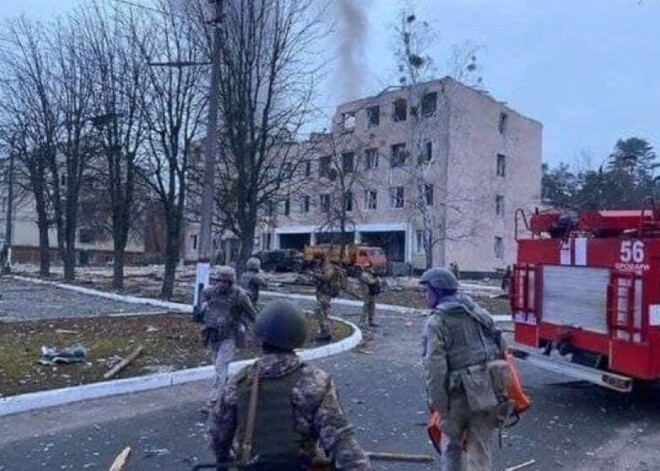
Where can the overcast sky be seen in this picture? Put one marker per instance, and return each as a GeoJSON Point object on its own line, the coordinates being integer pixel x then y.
{"type": "Point", "coordinates": [589, 70]}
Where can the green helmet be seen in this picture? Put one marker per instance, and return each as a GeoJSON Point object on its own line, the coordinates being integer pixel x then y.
{"type": "Point", "coordinates": [439, 278]}
{"type": "Point", "coordinates": [282, 324]}
{"type": "Point", "coordinates": [226, 273]}
{"type": "Point", "coordinates": [253, 264]}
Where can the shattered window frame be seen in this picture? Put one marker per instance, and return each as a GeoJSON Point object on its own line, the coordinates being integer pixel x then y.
{"type": "Point", "coordinates": [397, 155]}
{"type": "Point", "coordinates": [399, 110]}
{"type": "Point", "coordinates": [373, 116]}
{"type": "Point", "coordinates": [429, 104]}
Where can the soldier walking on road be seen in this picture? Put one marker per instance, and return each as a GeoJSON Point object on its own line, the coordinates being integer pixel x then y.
{"type": "Point", "coordinates": [370, 289]}
{"type": "Point", "coordinates": [329, 280]}
{"type": "Point", "coordinates": [466, 381]}
{"type": "Point", "coordinates": [226, 307]}
{"type": "Point", "coordinates": [275, 413]}
{"type": "Point", "coordinates": [252, 281]}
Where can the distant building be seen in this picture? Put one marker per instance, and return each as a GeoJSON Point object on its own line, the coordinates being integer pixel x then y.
{"type": "Point", "coordinates": [481, 161]}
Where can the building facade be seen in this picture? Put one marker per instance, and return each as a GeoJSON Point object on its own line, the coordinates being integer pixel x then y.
{"type": "Point", "coordinates": [439, 167]}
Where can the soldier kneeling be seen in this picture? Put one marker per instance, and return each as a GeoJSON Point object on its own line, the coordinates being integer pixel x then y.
{"type": "Point", "coordinates": [272, 415]}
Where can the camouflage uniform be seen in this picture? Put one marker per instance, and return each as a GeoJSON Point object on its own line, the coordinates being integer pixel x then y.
{"type": "Point", "coordinates": [457, 350]}
{"type": "Point", "coordinates": [370, 288]}
{"type": "Point", "coordinates": [252, 281]}
{"type": "Point", "coordinates": [317, 413]}
{"type": "Point", "coordinates": [224, 311]}
{"type": "Point", "coordinates": [327, 279]}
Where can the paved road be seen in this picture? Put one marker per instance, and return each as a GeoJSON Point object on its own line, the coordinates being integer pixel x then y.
{"type": "Point", "coordinates": [22, 300]}
{"type": "Point", "coordinates": [571, 426]}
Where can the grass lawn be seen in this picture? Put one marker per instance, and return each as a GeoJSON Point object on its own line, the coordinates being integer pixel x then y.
{"type": "Point", "coordinates": [171, 341]}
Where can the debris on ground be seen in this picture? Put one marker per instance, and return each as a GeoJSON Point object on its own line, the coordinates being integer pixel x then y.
{"type": "Point", "coordinates": [521, 466]}
{"type": "Point", "coordinates": [124, 363]}
{"type": "Point", "coordinates": [50, 355]}
{"type": "Point", "coordinates": [151, 452]}
{"type": "Point", "coordinates": [120, 461]}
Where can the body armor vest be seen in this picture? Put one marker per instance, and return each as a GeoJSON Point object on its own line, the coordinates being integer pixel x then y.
{"type": "Point", "coordinates": [222, 313]}
{"type": "Point", "coordinates": [275, 439]}
{"type": "Point", "coordinates": [470, 343]}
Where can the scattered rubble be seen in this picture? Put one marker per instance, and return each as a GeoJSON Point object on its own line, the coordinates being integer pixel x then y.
{"type": "Point", "coordinates": [51, 356]}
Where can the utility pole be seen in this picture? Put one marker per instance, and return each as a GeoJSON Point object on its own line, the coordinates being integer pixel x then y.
{"type": "Point", "coordinates": [10, 206]}
{"type": "Point", "coordinates": [210, 150]}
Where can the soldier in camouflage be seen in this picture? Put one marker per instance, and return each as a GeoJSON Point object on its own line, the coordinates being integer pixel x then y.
{"type": "Point", "coordinates": [225, 308]}
{"type": "Point", "coordinates": [252, 281]}
{"type": "Point", "coordinates": [370, 289]}
{"type": "Point", "coordinates": [329, 279]}
{"type": "Point", "coordinates": [297, 407]}
{"type": "Point", "coordinates": [466, 381]}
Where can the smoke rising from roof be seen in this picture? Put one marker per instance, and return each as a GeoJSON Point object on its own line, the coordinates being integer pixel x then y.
{"type": "Point", "coordinates": [352, 35]}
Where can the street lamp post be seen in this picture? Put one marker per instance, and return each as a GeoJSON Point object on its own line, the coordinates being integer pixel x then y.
{"type": "Point", "coordinates": [210, 152]}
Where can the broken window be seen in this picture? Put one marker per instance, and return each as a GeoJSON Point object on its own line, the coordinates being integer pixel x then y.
{"type": "Point", "coordinates": [400, 112]}
{"type": "Point", "coordinates": [370, 199]}
{"type": "Point", "coordinates": [324, 203]}
{"type": "Point", "coordinates": [427, 153]}
{"type": "Point", "coordinates": [307, 168]}
{"type": "Point", "coordinates": [501, 165]}
{"type": "Point", "coordinates": [499, 247]}
{"type": "Point", "coordinates": [287, 207]}
{"type": "Point", "coordinates": [504, 121]}
{"type": "Point", "coordinates": [373, 116]}
{"type": "Point", "coordinates": [370, 159]}
{"type": "Point", "coordinates": [428, 194]}
{"type": "Point", "coordinates": [347, 159]}
{"type": "Point", "coordinates": [499, 205]}
{"type": "Point", "coordinates": [396, 197]}
{"type": "Point", "coordinates": [397, 155]}
{"type": "Point", "coordinates": [348, 201]}
{"type": "Point", "coordinates": [429, 104]}
{"type": "Point", "coordinates": [348, 121]}
{"type": "Point", "coordinates": [324, 166]}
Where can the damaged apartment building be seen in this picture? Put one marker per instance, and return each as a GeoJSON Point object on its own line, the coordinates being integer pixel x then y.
{"type": "Point", "coordinates": [439, 166]}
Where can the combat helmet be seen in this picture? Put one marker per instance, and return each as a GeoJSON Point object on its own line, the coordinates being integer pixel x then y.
{"type": "Point", "coordinates": [282, 324]}
{"type": "Point", "coordinates": [226, 273]}
{"type": "Point", "coordinates": [253, 264]}
{"type": "Point", "coordinates": [439, 278]}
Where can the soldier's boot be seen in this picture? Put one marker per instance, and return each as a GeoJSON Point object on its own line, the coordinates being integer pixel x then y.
{"type": "Point", "coordinates": [480, 433]}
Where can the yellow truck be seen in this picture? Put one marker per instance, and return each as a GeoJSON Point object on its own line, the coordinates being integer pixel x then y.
{"type": "Point", "coordinates": [355, 256]}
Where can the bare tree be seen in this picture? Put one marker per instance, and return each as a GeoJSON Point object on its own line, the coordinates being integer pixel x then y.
{"type": "Point", "coordinates": [268, 75]}
{"type": "Point", "coordinates": [73, 83]}
{"type": "Point", "coordinates": [416, 69]}
{"type": "Point", "coordinates": [341, 170]}
{"type": "Point", "coordinates": [174, 109]}
{"type": "Point", "coordinates": [113, 38]}
{"type": "Point", "coordinates": [30, 116]}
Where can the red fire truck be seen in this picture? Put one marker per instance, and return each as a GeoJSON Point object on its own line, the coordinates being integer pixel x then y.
{"type": "Point", "coordinates": [585, 294]}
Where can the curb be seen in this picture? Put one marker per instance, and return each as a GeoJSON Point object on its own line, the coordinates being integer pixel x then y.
{"type": "Point", "coordinates": [188, 307]}
{"type": "Point", "coordinates": [55, 397]}
{"type": "Point", "coordinates": [106, 295]}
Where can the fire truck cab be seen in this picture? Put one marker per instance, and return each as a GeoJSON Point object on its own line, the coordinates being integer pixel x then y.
{"type": "Point", "coordinates": [586, 287]}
